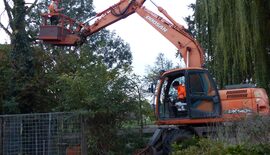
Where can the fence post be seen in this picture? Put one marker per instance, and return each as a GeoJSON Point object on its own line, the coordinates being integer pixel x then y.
{"type": "Point", "coordinates": [1, 135]}
{"type": "Point", "coordinates": [49, 134]}
{"type": "Point", "coordinates": [83, 135]}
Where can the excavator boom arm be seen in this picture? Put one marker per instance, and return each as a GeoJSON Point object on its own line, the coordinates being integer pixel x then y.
{"type": "Point", "coordinates": [187, 46]}
{"type": "Point", "coordinates": [118, 11]}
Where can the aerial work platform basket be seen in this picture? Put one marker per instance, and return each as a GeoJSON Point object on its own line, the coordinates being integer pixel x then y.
{"type": "Point", "coordinates": [64, 33]}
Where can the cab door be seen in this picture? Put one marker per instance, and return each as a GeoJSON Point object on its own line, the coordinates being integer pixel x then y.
{"type": "Point", "coordinates": [202, 95]}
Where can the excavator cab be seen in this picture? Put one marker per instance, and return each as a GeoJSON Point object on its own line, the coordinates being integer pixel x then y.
{"type": "Point", "coordinates": [62, 34]}
{"type": "Point", "coordinates": [200, 101]}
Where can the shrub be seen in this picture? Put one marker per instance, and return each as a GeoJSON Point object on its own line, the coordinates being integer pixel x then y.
{"type": "Point", "coordinates": [248, 137]}
{"type": "Point", "coordinates": [210, 147]}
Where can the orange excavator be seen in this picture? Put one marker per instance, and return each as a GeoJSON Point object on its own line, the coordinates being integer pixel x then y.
{"type": "Point", "coordinates": [178, 119]}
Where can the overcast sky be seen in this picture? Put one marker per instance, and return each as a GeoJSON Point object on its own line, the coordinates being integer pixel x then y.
{"type": "Point", "coordinates": [144, 40]}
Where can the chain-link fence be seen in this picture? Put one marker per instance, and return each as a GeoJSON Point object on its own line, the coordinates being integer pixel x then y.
{"type": "Point", "coordinates": [42, 134]}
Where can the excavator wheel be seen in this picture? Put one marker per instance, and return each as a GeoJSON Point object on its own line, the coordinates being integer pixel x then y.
{"type": "Point", "coordinates": [146, 151]}
{"type": "Point", "coordinates": [175, 136]}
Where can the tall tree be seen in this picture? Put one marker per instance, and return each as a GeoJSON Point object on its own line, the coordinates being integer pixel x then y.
{"type": "Point", "coordinates": [26, 87]}
{"type": "Point", "coordinates": [21, 59]}
{"type": "Point", "coordinates": [236, 37]}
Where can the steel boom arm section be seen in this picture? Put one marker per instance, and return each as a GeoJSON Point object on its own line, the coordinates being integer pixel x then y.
{"type": "Point", "coordinates": [188, 47]}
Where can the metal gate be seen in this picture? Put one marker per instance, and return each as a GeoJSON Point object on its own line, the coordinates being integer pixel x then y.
{"type": "Point", "coordinates": [41, 134]}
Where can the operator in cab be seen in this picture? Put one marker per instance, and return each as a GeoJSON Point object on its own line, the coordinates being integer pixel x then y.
{"type": "Point", "coordinates": [181, 90]}
{"type": "Point", "coordinates": [53, 8]}
{"type": "Point", "coordinates": [180, 101]}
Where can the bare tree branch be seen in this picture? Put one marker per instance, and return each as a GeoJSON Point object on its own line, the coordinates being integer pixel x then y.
{"type": "Point", "coordinates": [5, 29]}
{"type": "Point", "coordinates": [9, 13]}
{"type": "Point", "coordinates": [8, 9]}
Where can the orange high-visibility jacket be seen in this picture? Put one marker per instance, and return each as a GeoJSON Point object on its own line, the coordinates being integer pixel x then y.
{"type": "Point", "coordinates": [181, 91]}
{"type": "Point", "coordinates": [52, 7]}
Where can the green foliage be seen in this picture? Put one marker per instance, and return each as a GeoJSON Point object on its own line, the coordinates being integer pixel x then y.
{"type": "Point", "coordinates": [238, 149]}
{"type": "Point", "coordinates": [6, 73]}
{"type": "Point", "coordinates": [34, 91]}
{"type": "Point", "coordinates": [130, 141]}
{"type": "Point", "coordinates": [148, 112]}
{"type": "Point", "coordinates": [190, 21]}
{"type": "Point", "coordinates": [112, 50]}
{"type": "Point", "coordinates": [202, 147]}
{"type": "Point", "coordinates": [79, 10]}
{"type": "Point", "coordinates": [254, 130]}
{"type": "Point", "coordinates": [208, 147]}
{"type": "Point", "coordinates": [235, 36]}
{"type": "Point", "coordinates": [246, 137]}
{"type": "Point", "coordinates": [184, 144]}
{"type": "Point", "coordinates": [103, 96]}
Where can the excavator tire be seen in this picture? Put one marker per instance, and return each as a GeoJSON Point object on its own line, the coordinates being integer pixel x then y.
{"type": "Point", "coordinates": [146, 151]}
{"type": "Point", "coordinates": [175, 136]}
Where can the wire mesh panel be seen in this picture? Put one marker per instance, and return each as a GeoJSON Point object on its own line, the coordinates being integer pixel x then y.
{"type": "Point", "coordinates": [41, 134]}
